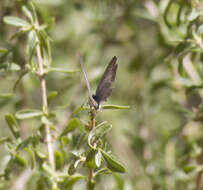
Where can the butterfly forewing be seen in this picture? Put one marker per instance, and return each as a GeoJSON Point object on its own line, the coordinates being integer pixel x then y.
{"type": "Point", "coordinates": [104, 89]}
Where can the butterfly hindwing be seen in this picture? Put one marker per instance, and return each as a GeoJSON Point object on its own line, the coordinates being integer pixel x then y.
{"type": "Point", "coordinates": [104, 89]}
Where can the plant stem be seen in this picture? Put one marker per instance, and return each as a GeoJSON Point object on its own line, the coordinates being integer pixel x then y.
{"type": "Point", "coordinates": [48, 138]}
{"type": "Point", "coordinates": [91, 171]}
{"type": "Point", "coordinates": [199, 181]}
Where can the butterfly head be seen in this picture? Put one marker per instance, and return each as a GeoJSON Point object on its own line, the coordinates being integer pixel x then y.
{"type": "Point", "coordinates": [93, 101]}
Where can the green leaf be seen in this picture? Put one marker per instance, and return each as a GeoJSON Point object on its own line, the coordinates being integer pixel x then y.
{"type": "Point", "coordinates": [13, 125]}
{"type": "Point", "coordinates": [103, 171]}
{"type": "Point", "coordinates": [5, 139]}
{"type": "Point", "coordinates": [51, 96]}
{"type": "Point", "coordinates": [48, 169]}
{"type": "Point", "coordinates": [64, 141]}
{"type": "Point", "coordinates": [112, 164]}
{"type": "Point", "coordinates": [90, 160]}
{"type": "Point", "coordinates": [98, 132]}
{"type": "Point", "coordinates": [189, 168]}
{"type": "Point", "coordinates": [71, 126]}
{"type": "Point", "coordinates": [20, 160]}
{"type": "Point", "coordinates": [15, 21]}
{"type": "Point", "coordinates": [20, 32]}
{"type": "Point", "coordinates": [24, 143]}
{"type": "Point", "coordinates": [6, 95]}
{"type": "Point", "coordinates": [59, 161]}
{"type": "Point", "coordinates": [40, 154]}
{"type": "Point", "coordinates": [71, 169]}
{"type": "Point", "coordinates": [3, 50]}
{"type": "Point", "coordinates": [28, 13]}
{"type": "Point", "coordinates": [114, 107]}
{"type": "Point", "coordinates": [32, 156]}
{"type": "Point", "coordinates": [28, 113]}
{"type": "Point", "coordinates": [72, 180]}
{"type": "Point", "coordinates": [78, 109]}
{"type": "Point", "coordinates": [62, 70]}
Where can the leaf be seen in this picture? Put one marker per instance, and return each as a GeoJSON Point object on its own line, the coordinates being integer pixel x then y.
{"type": "Point", "coordinates": [98, 158]}
{"type": "Point", "coordinates": [28, 113]}
{"type": "Point", "coordinates": [193, 15]}
{"type": "Point", "coordinates": [14, 67]}
{"type": "Point", "coordinates": [114, 107]}
{"type": "Point", "coordinates": [112, 164]}
{"type": "Point", "coordinates": [5, 139]}
{"type": "Point", "coordinates": [98, 132]}
{"type": "Point", "coordinates": [90, 160]}
{"type": "Point", "coordinates": [59, 161]}
{"type": "Point", "coordinates": [20, 32]}
{"type": "Point", "coordinates": [71, 126]}
{"type": "Point", "coordinates": [48, 169]}
{"type": "Point", "coordinates": [32, 156]}
{"type": "Point", "coordinates": [78, 110]}
{"type": "Point", "coordinates": [6, 95]}
{"type": "Point", "coordinates": [51, 69]}
{"type": "Point", "coordinates": [40, 155]}
{"type": "Point", "coordinates": [13, 125]}
{"type": "Point", "coordinates": [28, 13]}
{"type": "Point", "coordinates": [200, 29]}
{"type": "Point", "coordinates": [15, 21]}
{"type": "Point", "coordinates": [3, 50]}
{"type": "Point", "coordinates": [193, 87]}
{"type": "Point", "coordinates": [20, 160]}
{"type": "Point", "coordinates": [64, 141]}
{"type": "Point", "coordinates": [72, 180]}
{"type": "Point", "coordinates": [71, 169]}
{"type": "Point", "coordinates": [189, 168]}
{"type": "Point", "coordinates": [51, 96]}
{"type": "Point", "coordinates": [102, 171]}
{"type": "Point", "coordinates": [24, 143]}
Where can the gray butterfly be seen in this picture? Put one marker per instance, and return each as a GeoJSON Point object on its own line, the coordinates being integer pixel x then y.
{"type": "Point", "coordinates": [104, 89]}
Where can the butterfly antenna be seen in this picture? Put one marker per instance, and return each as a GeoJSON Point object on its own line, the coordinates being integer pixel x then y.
{"type": "Point", "coordinates": [86, 81]}
{"type": "Point", "coordinates": [85, 75]}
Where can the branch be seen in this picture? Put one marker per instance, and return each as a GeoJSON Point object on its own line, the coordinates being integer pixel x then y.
{"type": "Point", "coordinates": [48, 138]}
{"type": "Point", "coordinates": [91, 171]}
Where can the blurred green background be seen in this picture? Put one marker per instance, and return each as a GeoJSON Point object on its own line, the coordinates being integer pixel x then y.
{"type": "Point", "coordinates": [154, 139]}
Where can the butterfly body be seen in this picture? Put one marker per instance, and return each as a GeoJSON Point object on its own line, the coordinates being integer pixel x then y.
{"type": "Point", "coordinates": [104, 88]}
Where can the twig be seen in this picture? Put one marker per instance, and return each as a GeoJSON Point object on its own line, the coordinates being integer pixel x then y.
{"type": "Point", "coordinates": [92, 126]}
{"type": "Point", "coordinates": [45, 110]}
{"type": "Point", "coordinates": [199, 181]}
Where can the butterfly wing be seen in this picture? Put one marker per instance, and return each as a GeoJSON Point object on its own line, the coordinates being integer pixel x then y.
{"type": "Point", "coordinates": [104, 89]}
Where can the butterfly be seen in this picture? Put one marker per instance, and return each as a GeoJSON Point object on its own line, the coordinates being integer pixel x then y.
{"type": "Point", "coordinates": [104, 88]}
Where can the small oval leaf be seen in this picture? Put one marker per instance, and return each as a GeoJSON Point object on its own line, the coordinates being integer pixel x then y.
{"type": "Point", "coordinates": [72, 180]}
{"type": "Point", "coordinates": [112, 164]}
{"type": "Point", "coordinates": [98, 159]}
{"type": "Point", "coordinates": [15, 21]}
{"type": "Point", "coordinates": [98, 132]}
{"type": "Point", "coordinates": [71, 126]}
{"type": "Point", "coordinates": [20, 160]}
{"type": "Point", "coordinates": [3, 50]}
{"type": "Point", "coordinates": [103, 171]}
{"type": "Point", "coordinates": [59, 161]}
{"type": "Point", "coordinates": [28, 113]}
{"type": "Point", "coordinates": [12, 124]}
{"type": "Point", "coordinates": [6, 95]}
{"type": "Point", "coordinates": [51, 96]}
{"type": "Point", "coordinates": [32, 156]}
